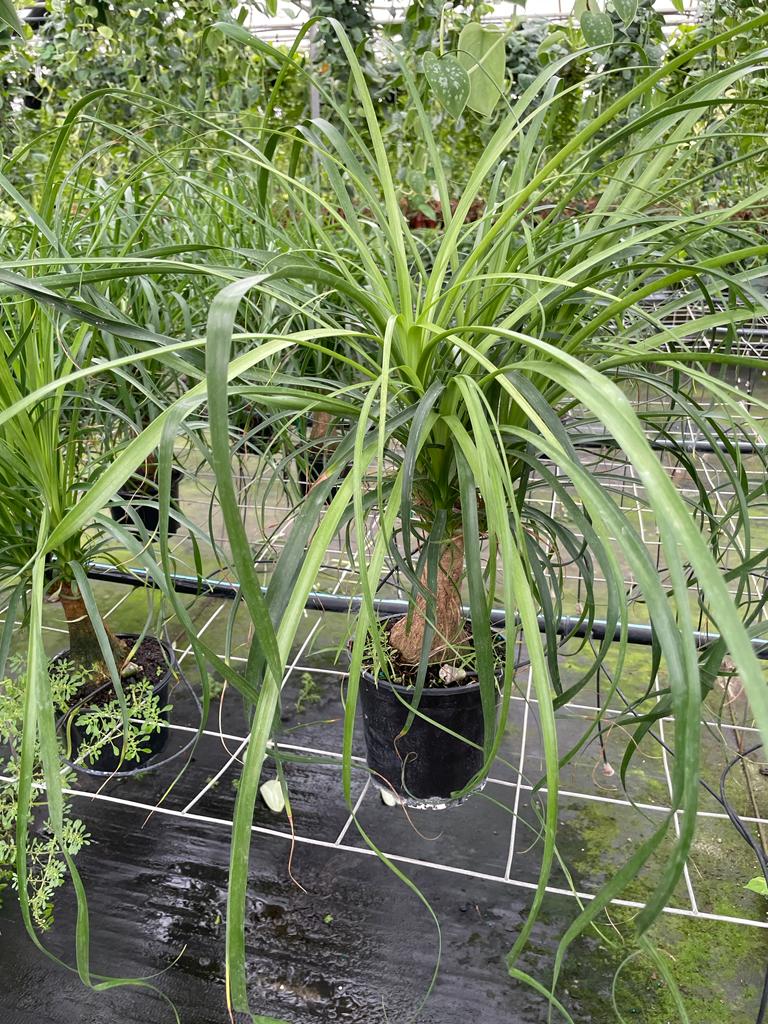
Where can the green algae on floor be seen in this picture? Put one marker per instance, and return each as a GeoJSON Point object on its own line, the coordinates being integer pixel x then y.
{"type": "Point", "coordinates": [718, 970]}
{"type": "Point", "coordinates": [718, 966]}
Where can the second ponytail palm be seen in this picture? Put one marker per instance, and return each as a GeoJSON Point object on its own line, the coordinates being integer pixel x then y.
{"type": "Point", "coordinates": [472, 364]}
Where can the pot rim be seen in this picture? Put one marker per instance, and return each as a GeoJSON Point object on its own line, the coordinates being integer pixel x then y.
{"type": "Point", "coordinates": [128, 492]}
{"type": "Point", "coordinates": [428, 691]}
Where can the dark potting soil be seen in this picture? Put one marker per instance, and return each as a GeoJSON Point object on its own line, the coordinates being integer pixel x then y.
{"type": "Point", "coordinates": [462, 657]}
{"type": "Point", "coordinates": [151, 660]}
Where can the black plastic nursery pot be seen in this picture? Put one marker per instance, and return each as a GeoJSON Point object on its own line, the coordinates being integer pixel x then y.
{"type": "Point", "coordinates": [427, 765]}
{"type": "Point", "coordinates": [136, 492]}
{"type": "Point", "coordinates": [311, 466]}
{"type": "Point", "coordinates": [256, 430]}
{"type": "Point", "coordinates": [107, 763]}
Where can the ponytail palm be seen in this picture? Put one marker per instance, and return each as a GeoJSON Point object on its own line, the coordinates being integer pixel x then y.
{"type": "Point", "coordinates": [49, 457]}
{"type": "Point", "coordinates": [471, 365]}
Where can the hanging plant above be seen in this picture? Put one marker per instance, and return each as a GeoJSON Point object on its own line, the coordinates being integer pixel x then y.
{"type": "Point", "coordinates": [449, 81]}
{"type": "Point", "coordinates": [8, 16]}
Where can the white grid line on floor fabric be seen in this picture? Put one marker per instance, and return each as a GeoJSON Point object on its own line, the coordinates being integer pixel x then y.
{"type": "Point", "coordinates": [56, 629]}
{"type": "Point", "coordinates": [413, 861]}
{"type": "Point", "coordinates": [525, 787]}
{"type": "Point", "coordinates": [354, 811]}
{"type": "Point", "coordinates": [181, 655]}
{"type": "Point", "coordinates": [519, 782]}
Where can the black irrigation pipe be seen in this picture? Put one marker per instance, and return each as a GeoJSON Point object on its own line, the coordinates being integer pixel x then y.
{"type": "Point", "coordinates": [568, 625]}
{"type": "Point", "coordinates": [664, 445]}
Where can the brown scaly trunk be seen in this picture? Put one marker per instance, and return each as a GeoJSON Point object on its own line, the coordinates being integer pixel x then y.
{"type": "Point", "coordinates": [321, 423]}
{"type": "Point", "coordinates": [449, 620]}
{"type": "Point", "coordinates": [84, 650]}
{"type": "Point", "coordinates": [317, 453]}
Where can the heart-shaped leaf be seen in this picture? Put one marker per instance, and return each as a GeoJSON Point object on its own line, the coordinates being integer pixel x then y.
{"type": "Point", "coordinates": [626, 10]}
{"type": "Point", "coordinates": [481, 52]}
{"type": "Point", "coordinates": [8, 15]}
{"type": "Point", "coordinates": [448, 81]}
{"type": "Point", "coordinates": [597, 28]}
{"type": "Point", "coordinates": [556, 38]}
